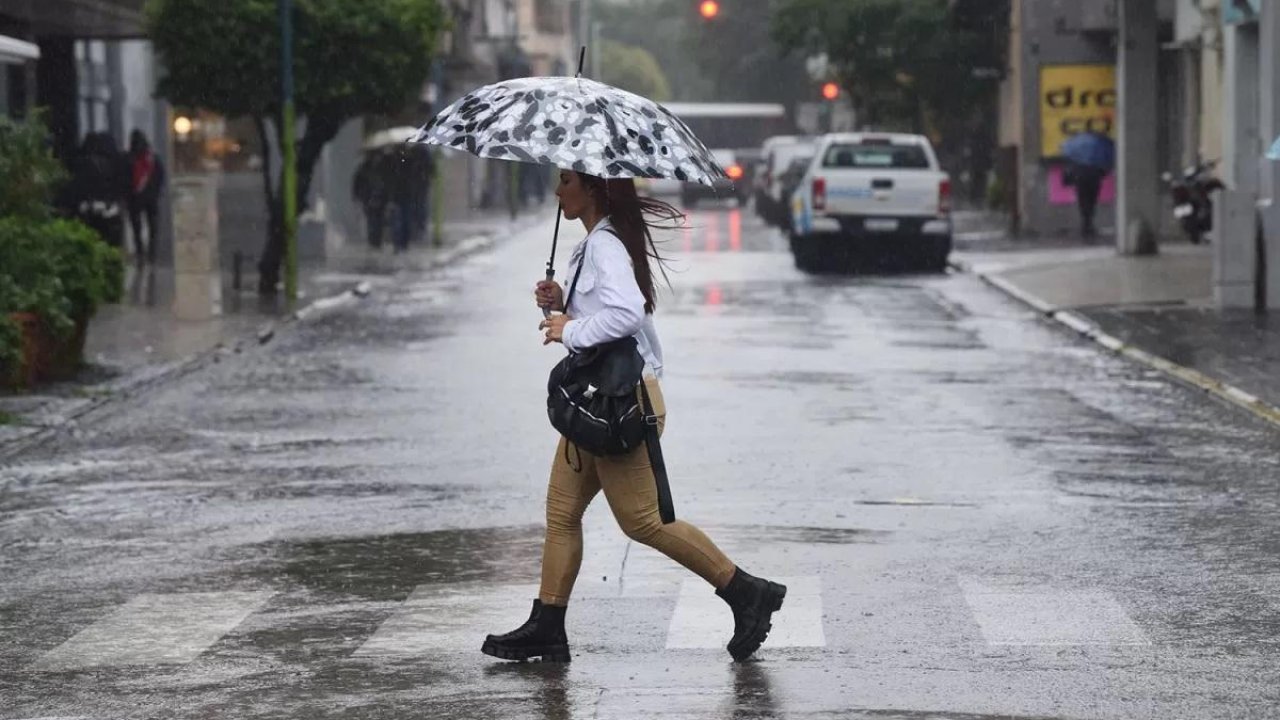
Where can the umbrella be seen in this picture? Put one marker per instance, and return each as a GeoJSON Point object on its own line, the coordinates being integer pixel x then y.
{"type": "Point", "coordinates": [575, 124]}
{"type": "Point", "coordinates": [1091, 149]}
{"type": "Point", "coordinates": [390, 136]}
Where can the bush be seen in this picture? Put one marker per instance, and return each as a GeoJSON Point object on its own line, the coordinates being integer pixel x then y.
{"type": "Point", "coordinates": [31, 173]}
{"type": "Point", "coordinates": [59, 270]}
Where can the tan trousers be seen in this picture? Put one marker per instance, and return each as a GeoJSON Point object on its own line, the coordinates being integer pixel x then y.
{"type": "Point", "coordinates": [628, 484]}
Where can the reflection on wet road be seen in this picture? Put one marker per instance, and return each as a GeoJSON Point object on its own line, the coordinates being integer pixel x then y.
{"type": "Point", "coordinates": [979, 516]}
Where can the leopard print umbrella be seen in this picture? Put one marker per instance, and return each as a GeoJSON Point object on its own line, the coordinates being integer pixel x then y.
{"type": "Point", "coordinates": [575, 124]}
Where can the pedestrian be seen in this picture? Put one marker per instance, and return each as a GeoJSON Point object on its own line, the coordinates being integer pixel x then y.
{"type": "Point", "coordinates": [98, 189]}
{"type": "Point", "coordinates": [1090, 158]}
{"type": "Point", "coordinates": [613, 300]}
{"type": "Point", "coordinates": [405, 194]}
{"type": "Point", "coordinates": [146, 184]}
{"type": "Point", "coordinates": [1087, 181]}
{"type": "Point", "coordinates": [369, 188]}
{"type": "Point", "coordinates": [423, 172]}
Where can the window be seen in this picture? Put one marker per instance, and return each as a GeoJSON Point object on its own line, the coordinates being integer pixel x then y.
{"type": "Point", "coordinates": [870, 156]}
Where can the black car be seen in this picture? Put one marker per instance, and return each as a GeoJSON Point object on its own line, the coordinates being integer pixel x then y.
{"type": "Point", "coordinates": [737, 186]}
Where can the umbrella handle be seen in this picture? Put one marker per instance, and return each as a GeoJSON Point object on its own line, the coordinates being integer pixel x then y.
{"type": "Point", "coordinates": [551, 275]}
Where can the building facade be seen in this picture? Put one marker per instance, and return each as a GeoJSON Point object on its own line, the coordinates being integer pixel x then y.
{"type": "Point", "coordinates": [1062, 79]}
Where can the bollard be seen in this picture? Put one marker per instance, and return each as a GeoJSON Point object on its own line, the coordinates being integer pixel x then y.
{"type": "Point", "coordinates": [197, 281]}
{"type": "Point", "coordinates": [236, 258]}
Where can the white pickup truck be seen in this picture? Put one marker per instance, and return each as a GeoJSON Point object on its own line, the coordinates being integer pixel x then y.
{"type": "Point", "coordinates": [870, 199]}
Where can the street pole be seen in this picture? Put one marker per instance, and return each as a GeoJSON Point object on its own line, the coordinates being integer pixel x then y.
{"type": "Point", "coordinates": [288, 170]}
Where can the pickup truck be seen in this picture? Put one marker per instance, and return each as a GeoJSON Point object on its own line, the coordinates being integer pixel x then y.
{"type": "Point", "coordinates": [869, 199]}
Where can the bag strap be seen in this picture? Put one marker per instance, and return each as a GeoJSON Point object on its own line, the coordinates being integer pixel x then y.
{"type": "Point", "coordinates": [573, 286]}
{"type": "Point", "coordinates": [666, 506]}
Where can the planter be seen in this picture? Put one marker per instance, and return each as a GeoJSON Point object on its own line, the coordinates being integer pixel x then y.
{"type": "Point", "coordinates": [63, 357]}
{"type": "Point", "coordinates": [27, 371]}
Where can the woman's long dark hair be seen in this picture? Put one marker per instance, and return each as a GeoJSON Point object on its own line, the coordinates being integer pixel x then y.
{"type": "Point", "coordinates": [634, 218]}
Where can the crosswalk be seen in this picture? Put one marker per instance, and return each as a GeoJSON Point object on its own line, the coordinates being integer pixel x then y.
{"type": "Point", "coordinates": [177, 628]}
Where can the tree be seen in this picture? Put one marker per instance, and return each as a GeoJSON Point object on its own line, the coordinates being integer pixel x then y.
{"type": "Point", "coordinates": [633, 69]}
{"type": "Point", "coordinates": [909, 64]}
{"type": "Point", "coordinates": [351, 58]}
{"type": "Point", "coordinates": [739, 57]}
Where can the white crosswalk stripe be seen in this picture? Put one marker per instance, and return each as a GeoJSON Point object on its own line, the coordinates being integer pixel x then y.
{"type": "Point", "coordinates": [158, 629]}
{"type": "Point", "coordinates": [430, 620]}
{"type": "Point", "coordinates": [155, 630]}
{"type": "Point", "coordinates": [701, 619]}
{"type": "Point", "coordinates": [1014, 616]}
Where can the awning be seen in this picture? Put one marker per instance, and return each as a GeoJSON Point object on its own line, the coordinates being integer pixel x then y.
{"type": "Point", "coordinates": [15, 51]}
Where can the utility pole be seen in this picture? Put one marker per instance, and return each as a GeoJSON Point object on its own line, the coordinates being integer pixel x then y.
{"type": "Point", "coordinates": [288, 169]}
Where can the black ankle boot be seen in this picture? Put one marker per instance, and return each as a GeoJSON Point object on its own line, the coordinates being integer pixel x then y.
{"type": "Point", "coordinates": [753, 601]}
{"type": "Point", "coordinates": [542, 635]}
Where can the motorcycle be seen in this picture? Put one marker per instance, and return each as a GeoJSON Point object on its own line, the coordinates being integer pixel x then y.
{"type": "Point", "coordinates": [1192, 201]}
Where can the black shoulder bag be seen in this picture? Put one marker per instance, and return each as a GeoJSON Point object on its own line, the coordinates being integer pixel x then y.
{"type": "Point", "coordinates": [592, 401]}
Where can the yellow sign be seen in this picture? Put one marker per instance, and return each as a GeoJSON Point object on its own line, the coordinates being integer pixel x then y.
{"type": "Point", "coordinates": [1075, 98]}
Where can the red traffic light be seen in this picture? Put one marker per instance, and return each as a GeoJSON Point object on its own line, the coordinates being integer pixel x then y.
{"type": "Point", "coordinates": [709, 9]}
{"type": "Point", "coordinates": [830, 91]}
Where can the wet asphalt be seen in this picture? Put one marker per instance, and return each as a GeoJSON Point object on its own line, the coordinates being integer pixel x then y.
{"type": "Point", "coordinates": [978, 515]}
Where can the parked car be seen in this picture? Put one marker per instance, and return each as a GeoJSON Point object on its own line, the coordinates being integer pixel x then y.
{"type": "Point", "coordinates": [871, 200]}
{"type": "Point", "coordinates": [736, 186]}
{"type": "Point", "coordinates": [789, 182]}
{"type": "Point", "coordinates": [778, 157]}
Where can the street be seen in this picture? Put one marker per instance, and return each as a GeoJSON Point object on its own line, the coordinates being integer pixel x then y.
{"type": "Point", "coordinates": [977, 515]}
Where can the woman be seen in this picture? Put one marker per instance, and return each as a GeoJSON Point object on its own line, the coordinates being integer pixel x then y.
{"type": "Point", "coordinates": [614, 299]}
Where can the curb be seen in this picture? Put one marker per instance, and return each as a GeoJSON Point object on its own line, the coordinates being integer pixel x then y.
{"type": "Point", "coordinates": [1080, 325]}
{"type": "Point", "coordinates": [146, 379]}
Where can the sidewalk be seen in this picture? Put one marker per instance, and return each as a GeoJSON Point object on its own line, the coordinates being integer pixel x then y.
{"type": "Point", "coordinates": [139, 342]}
{"type": "Point", "coordinates": [1158, 310]}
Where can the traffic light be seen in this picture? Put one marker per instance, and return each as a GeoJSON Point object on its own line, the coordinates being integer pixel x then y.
{"type": "Point", "coordinates": [709, 9]}
{"type": "Point", "coordinates": [830, 91]}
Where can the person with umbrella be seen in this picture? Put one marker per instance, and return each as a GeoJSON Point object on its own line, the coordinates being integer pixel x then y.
{"type": "Point", "coordinates": [606, 137]}
{"type": "Point", "coordinates": [1091, 156]}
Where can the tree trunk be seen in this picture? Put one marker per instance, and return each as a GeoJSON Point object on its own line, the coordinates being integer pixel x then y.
{"type": "Point", "coordinates": [321, 128]}
{"type": "Point", "coordinates": [269, 264]}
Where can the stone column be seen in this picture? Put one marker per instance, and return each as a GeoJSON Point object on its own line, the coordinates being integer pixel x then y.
{"type": "Point", "coordinates": [1236, 214]}
{"type": "Point", "coordinates": [197, 278]}
{"type": "Point", "coordinates": [1137, 160]}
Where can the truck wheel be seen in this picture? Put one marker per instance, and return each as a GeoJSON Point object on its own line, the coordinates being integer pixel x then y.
{"type": "Point", "coordinates": [802, 251]}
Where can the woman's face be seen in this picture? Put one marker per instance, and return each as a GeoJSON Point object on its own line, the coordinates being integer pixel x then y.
{"type": "Point", "coordinates": [574, 197]}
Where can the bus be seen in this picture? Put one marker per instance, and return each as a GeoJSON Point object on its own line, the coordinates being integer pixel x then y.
{"type": "Point", "coordinates": [733, 126]}
{"type": "Point", "coordinates": [739, 128]}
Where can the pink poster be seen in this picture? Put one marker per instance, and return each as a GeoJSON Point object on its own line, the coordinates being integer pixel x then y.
{"type": "Point", "coordinates": [1060, 194]}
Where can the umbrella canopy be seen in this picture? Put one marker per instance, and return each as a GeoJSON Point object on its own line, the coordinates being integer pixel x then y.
{"type": "Point", "coordinates": [390, 136]}
{"type": "Point", "coordinates": [575, 124]}
{"type": "Point", "coordinates": [1091, 149]}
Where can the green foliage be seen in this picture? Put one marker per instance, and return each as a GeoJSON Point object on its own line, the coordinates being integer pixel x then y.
{"type": "Point", "coordinates": [633, 69]}
{"type": "Point", "coordinates": [58, 269]}
{"type": "Point", "coordinates": [907, 64]}
{"type": "Point", "coordinates": [351, 57]}
{"type": "Point", "coordinates": [31, 173]}
{"type": "Point", "coordinates": [731, 58]}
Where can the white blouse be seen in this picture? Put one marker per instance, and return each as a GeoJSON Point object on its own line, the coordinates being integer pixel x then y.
{"type": "Point", "coordinates": [607, 304]}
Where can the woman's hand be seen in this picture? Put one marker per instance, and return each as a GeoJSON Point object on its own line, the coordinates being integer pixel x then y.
{"type": "Point", "coordinates": [554, 326]}
{"type": "Point", "coordinates": [549, 295]}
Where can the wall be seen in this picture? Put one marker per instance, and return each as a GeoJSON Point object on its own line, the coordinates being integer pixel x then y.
{"type": "Point", "coordinates": [1051, 36]}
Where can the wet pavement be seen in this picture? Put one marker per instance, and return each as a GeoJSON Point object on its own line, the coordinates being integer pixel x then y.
{"type": "Point", "coordinates": [140, 340]}
{"type": "Point", "coordinates": [978, 515]}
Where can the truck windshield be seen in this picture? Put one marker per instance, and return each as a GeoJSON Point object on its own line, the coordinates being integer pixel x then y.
{"type": "Point", "coordinates": [871, 156]}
